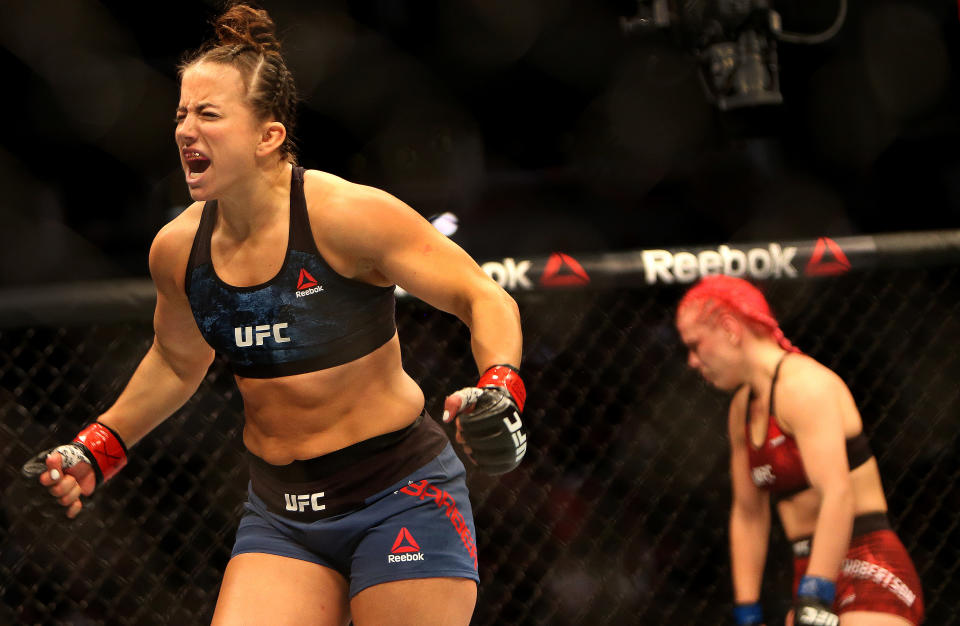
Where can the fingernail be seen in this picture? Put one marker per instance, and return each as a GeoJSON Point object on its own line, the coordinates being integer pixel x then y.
{"type": "Point", "coordinates": [54, 475]}
{"type": "Point", "coordinates": [446, 415]}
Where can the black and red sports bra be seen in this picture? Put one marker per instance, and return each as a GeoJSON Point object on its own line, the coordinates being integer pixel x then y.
{"type": "Point", "coordinates": [776, 465]}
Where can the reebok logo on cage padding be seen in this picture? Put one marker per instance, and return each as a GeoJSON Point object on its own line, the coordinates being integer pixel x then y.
{"type": "Point", "coordinates": [405, 548]}
{"type": "Point", "coordinates": [664, 266]}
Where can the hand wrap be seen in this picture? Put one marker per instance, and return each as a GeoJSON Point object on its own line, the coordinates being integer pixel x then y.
{"type": "Point", "coordinates": [490, 421]}
{"type": "Point", "coordinates": [814, 603]}
{"type": "Point", "coordinates": [97, 444]}
{"type": "Point", "coordinates": [748, 614]}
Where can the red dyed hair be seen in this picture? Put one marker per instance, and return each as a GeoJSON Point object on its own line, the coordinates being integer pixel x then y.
{"type": "Point", "coordinates": [738, 297]}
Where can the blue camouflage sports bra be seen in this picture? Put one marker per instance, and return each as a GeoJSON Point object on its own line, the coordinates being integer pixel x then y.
{"type": "Point", "coordinates": [306, 318]}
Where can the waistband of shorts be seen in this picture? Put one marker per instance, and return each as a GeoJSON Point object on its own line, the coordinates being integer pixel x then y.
{"type": "Point", "coordinates": [340, 481]}
{"type": "Point", "coordinates": [862, 524]}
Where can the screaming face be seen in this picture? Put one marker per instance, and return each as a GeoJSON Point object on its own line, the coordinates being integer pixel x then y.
{"type": "Point", "coordinates": [216, 130]}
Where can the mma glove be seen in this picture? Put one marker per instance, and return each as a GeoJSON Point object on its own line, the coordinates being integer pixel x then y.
{"type": "Point", "coordinates": [813, 606]}
{"type": "Point", "coordinates": [97, 444]}
{"type": "Point", "coordinates": [489, 419]}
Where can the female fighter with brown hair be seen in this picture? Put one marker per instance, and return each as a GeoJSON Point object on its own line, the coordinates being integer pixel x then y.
{"type": "Point", "coordinates": [357, 506]}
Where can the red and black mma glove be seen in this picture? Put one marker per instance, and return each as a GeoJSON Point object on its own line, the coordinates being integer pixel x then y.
{"type": "Point", "coordinates": [97, 444]}
{"type": "Point", "coordinates": [489, 418]}
{"type": "Point", "coordinates": [814, 603]}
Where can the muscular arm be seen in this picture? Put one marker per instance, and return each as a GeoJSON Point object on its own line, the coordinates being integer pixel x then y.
{"type": "Point", "coordinates": [380, 239]}
{"type": "Point", "coordinates": [749, 513]}
{"type": "Point", "coordinates": [177, 361]}
{"type": "Point", "coordinates": [166, 377]}
{"type": "Point", "coordinates": [809, 404]}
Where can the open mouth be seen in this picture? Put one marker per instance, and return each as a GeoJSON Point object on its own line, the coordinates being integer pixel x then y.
{"type": "Point", "coordinates": [196, 162]}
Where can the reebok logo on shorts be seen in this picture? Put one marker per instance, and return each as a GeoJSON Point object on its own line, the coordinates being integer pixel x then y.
{"type": "Point", "coordinates": [405, 548]}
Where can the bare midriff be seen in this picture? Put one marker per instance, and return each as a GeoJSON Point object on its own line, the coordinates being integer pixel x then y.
{"type": "Point", "coordinates": [799, 513]}
{"type": "Point", "coordinates": [307, 415]}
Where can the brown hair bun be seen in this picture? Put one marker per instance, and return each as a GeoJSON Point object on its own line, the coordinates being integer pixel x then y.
{"type": "Point", "coordinates": [243, 25]}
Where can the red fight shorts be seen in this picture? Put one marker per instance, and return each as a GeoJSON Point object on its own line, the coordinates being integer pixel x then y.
{"type": "Point", "coordinates": [876, 575]}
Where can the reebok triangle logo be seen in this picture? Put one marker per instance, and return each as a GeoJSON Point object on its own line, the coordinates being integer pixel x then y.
{"type": "Point", "coordinates": [827, 259]}
{"type": "Point", "coordinates": [563, 270]}
{"type": "Point", "coordinates": [306, 281]}
{"type": "Point", "coordinates": [404, 543]}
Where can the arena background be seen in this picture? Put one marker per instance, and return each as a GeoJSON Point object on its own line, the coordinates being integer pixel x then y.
{"type": "Point", "coordinates": [545, 127]}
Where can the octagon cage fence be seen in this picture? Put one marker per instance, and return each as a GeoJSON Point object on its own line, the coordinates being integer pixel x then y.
{"type": "Point", "coordinates": [618, 513]}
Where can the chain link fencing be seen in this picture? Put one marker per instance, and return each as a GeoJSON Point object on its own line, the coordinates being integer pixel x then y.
{"type": "Point", "coordinates": [617, 515]}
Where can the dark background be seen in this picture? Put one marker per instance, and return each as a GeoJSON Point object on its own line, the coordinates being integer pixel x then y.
{"type": "Point", "coordinates": [544, 127]}
{"type": "Point", "coordinates": [542, 124]}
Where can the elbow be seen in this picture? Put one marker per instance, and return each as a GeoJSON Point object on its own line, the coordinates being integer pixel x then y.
{"type": "Point", "coordinates": [195, 371]}
{"type": "Point", "coordinates": [192, 375]}
{"type": "Point", "coordinates": [503, 299]}
{"type": "Point", "coordinates": [489, 297]}
{"type": "Point", "coordinates": [202, 365]}
{"type": "Point", "coordinates": [753, 510]}
{"type": "Point", "coordinates": [511, 305]}
{"type": "Point", "coordinates": [838, 495]}
{"type": "Point", "coordinates": [188, 368]}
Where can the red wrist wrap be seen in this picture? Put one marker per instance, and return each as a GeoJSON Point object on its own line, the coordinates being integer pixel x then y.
{"type": "Point", "coordinates": [105, 446]}
{"type": "Point", "coordinates": [508, 378]}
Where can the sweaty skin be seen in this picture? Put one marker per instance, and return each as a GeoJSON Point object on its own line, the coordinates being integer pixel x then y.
{"type": "Point", "coordinates": [234, 149]}
{"type": "Point", "coordinates": [355, 228]}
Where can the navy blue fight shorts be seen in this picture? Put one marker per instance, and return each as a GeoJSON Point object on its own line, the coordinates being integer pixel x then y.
{"type": "Point", "coordinates": [394, 507]}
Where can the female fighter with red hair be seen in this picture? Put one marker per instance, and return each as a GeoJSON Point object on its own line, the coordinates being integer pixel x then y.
{"type": "Point", "coordinates": [796, 434]}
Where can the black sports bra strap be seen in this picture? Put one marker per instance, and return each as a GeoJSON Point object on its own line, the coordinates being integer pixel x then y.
{"type": "Point", "coordinates": [301, 236]}
{"type": "Point", "coordinates": [208, 219]}
{"type": "Point", "coordinates": [200, 251]}
{"type": "Point", "coordinates": [773, 383]}
{"type": "Point", "coordinates": [858, 450]}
